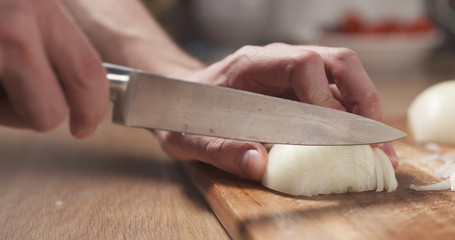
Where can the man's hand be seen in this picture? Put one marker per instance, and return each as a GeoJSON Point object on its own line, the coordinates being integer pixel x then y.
{"type": "Point", "coordinates": [330, 77]}
{"type": "Point", "coordinates": [47, 66]}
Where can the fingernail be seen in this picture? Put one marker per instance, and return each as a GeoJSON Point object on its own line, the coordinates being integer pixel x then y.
{"type": "Point", "coordinates": [84, 133]}
{"type": "Point", "coordinates": [250, 164]}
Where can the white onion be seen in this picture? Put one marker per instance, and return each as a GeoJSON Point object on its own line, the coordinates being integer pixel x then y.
{"type": "Point", "coordinates": [313, 170]}
{"type": "Point", "coordinates": [431, 118]}
{"type": "Point", "coordinates": [431, 115]}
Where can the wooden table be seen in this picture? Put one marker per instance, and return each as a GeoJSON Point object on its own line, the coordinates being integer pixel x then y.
{"type": "Point", "coordinates": [118, 184]}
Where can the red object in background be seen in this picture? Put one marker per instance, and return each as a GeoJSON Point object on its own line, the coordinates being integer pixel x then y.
{"type": "Point", "coordinates": [385, 26]}
{"type": "Point", "coordinates": [353, 23]}
{"type": "Point", "coordinates": [423, 24]}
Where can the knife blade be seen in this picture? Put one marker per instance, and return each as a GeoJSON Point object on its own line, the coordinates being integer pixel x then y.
{"type": "Point", "coordinates": [146, 100]}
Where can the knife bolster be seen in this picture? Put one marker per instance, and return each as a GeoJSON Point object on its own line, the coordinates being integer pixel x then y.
{"type": "Point", "coordinates": [119, 78]}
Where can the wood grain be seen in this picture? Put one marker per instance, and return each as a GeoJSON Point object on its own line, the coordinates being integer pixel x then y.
{"type": "Point", "coordinates": [116, 185]}
{"type": "Point", "coordinates": [250, 211]}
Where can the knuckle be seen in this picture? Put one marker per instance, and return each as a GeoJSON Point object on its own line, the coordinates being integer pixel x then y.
{"type": "Point", "coordinates": [276, 45]}
{"type": "Point", "coordinates": [304, 58]}
{"type": "Point", "coordinates": [346, 55]}
{"type": "Point", "coordinates": [236, 62]}
{"type": "Point", "coordinates": [309, 57]}
{"type": "Point", "coordinates": [246, 49]}
{"type": "Point", "coordinates": [91, 75]}
{"type": "Point", "coordinates": [371, 106]}
{"type": "Point", "coordinates": [344, 60]}
{"type": "Point", "coordinates": [246, 53]}
{"type": "Point", "coordinates": [214, 148]}
{"type": "Point", "coordinates": [242, 55]}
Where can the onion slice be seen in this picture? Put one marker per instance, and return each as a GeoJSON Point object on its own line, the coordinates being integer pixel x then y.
{"type": "Point", "coordinates": [390, 182]}
{"type": "Point", "coordinates": [447, 184]}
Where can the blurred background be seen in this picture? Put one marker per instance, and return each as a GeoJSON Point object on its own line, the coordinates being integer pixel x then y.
{"type": "Point", "coordinates": [391, 37]}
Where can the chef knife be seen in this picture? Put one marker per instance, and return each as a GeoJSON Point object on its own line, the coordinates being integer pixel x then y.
{"type": "Point", "coordinates": [146, 100]}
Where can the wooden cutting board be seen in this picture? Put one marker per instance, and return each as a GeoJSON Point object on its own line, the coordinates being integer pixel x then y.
{"type": "Point", "coordinates": [250, 211]}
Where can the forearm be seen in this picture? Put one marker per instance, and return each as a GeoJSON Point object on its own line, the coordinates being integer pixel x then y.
{"type": "Point", "coordinates": [125, 33]}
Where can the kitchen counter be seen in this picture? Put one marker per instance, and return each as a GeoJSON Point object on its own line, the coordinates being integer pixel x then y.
{"type": "Point", "coordinates": [118, 184]}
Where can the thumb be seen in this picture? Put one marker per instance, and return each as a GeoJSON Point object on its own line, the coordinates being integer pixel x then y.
{"type": "Point", "coordinates": [245, 159]}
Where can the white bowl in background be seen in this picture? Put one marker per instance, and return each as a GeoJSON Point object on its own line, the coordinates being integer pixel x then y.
{"type": "Point", "coordinates": [387, 52]}
{"type": "Point", "coordinates": [233, 23]}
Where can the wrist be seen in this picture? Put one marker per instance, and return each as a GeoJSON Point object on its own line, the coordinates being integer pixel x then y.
{"type": "Point", "coordinates": [131, 38]}
{"type": "Point", "coordinates": [149, 55]}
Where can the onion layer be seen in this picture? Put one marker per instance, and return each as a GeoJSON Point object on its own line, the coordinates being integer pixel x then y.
{"type": "Point", "coordinates": [313, 170]}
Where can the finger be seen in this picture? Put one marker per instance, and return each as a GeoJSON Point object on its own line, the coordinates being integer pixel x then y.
{"type": "Point", "coordinates": [390, 152]}
{"type": "Point", "coordinates": [32, 96]}
{"type": "Point", "coordinates": [355, 89]}
{"type": "Point", "coordinates": [310, 83]}
{"type": "Point", "coordinates": [250, 69]}
{"type": "Point", "coordinates": [281, 70]}
{"type": "Point", "coordinates": [339, 97]}
{"type": "Point", "coordinates": [80, 71]}
{"type": "Point", "coordinates": [353, 82]}
{"type": "Point", "coordinates": [244, 159]}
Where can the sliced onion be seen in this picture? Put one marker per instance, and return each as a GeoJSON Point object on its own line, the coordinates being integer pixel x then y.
{"type": "Point", "coordinates": [379, 174]}
{"type": "Point", "coordinates": [390, 181]}
{"type": "Point", "coordinates": [313, 170]}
